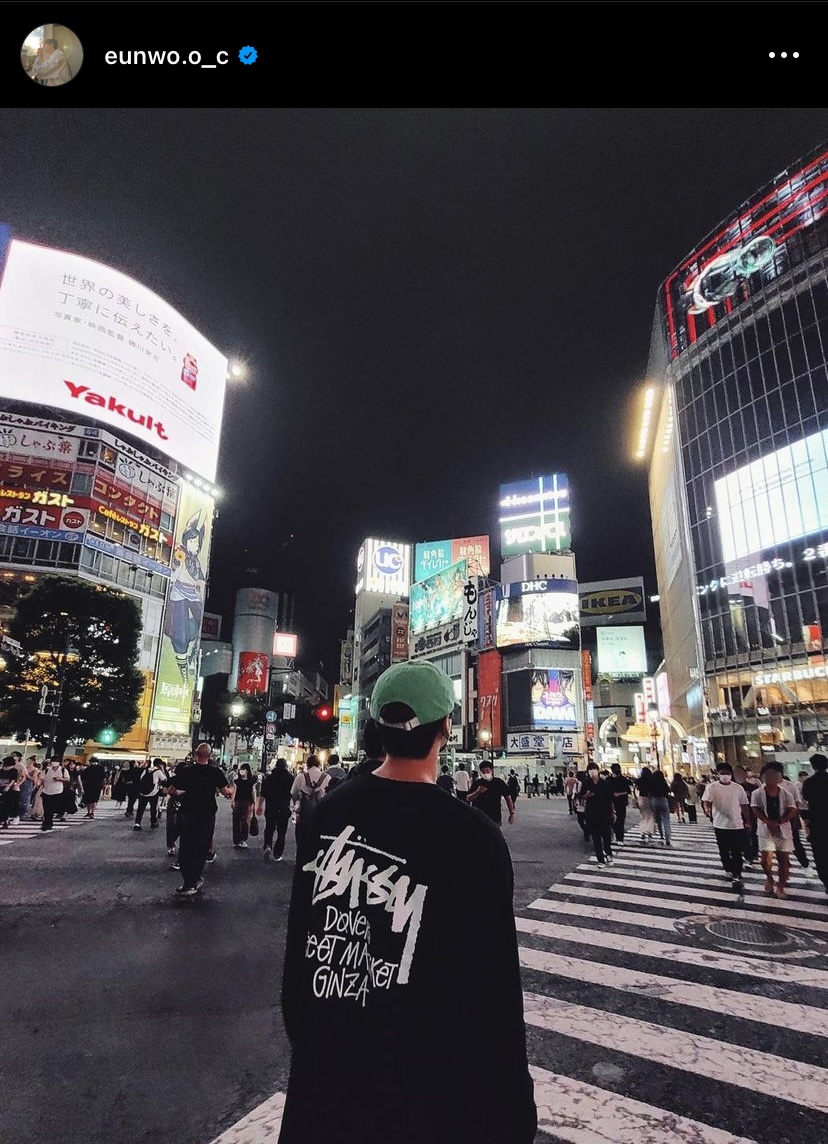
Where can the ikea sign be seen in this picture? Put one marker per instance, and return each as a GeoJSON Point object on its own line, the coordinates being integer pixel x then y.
{"type": "Point", "coordinates": [612, 602]}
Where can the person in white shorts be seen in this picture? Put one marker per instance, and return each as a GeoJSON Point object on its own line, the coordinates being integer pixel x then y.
{"type": "Point", "coordinates": [774, 807]}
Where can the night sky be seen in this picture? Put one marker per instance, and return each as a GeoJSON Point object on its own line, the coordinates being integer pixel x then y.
{"type": "Point", "coordinates": [429, 302]}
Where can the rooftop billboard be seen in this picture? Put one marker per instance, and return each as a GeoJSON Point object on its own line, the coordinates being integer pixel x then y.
{"type": "Point", "coordinates": [534, 516]}
{"type": "Point", "coordinates": [538, 612]}
{"type": "Point", "coordinates": [434, 555]}
{"type": "Point", "coordinates": [80, 336]}
{"type": "Point", "coordinates": [384, 566]}
{"type": "Point", "coordinates": [612, 602]}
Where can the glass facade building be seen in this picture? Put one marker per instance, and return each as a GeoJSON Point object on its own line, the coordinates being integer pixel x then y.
{"type": "Point", "coordinates": [735, 424]}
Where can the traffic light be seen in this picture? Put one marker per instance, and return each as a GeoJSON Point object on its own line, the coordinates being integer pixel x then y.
{"type": "Point", "coordinates": [323, 712]}
{"type": "Point", "coordinates": [107, 737]}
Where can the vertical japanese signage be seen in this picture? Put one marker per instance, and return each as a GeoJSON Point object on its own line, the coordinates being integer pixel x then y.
{"type": "Point", "coordinates": [399, 633]}
{"type": "Point", "coordinates": [486, 630]}
{"type": "Point", "coordinates": [489, 705]}
{"type": "Point", "coordinates": [589, 706]}
{"type": "Point", "coordinates": [180, 641]}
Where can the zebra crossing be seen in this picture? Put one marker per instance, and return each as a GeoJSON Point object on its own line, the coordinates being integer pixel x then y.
{"type": "Point", "coordinates": [640, 1032]}
{"type": "Point", "coordinates": [29, 829]}
{"type": "Point", "coordinates": [659, 1010]}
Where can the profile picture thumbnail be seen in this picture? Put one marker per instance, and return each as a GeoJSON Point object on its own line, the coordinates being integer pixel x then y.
{"type": "Point", "coordinates": [51, 55]}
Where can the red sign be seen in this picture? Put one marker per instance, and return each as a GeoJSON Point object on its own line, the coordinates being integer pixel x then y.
{"type": "Point", "coordinates": [253, 672]}
{"type": "Point", "coordinates": [15, 473]}
{"type": "Point", "coordinates": [399, 633]}
{"type": "Point", "coordinates": [134, 506]}
{"type": "Point", "coordinates": [489, 705]}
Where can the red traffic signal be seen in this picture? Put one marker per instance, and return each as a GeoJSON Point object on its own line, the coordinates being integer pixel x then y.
{"type": "Point", "coordinates": [323, 712]}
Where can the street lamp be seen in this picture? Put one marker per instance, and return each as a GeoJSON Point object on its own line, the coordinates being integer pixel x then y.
{"type": "Point", "coordinates": [486, 740]}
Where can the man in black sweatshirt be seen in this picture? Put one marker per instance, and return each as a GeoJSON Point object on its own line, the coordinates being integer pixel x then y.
{"type": "Point", "coordinates": [393, 883]}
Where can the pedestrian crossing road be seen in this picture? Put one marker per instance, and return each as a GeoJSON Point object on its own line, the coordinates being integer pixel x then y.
{"type": "Point", "coordinates": [664, 1008]}
{"type": "Point", "coordinates": [29, 829]}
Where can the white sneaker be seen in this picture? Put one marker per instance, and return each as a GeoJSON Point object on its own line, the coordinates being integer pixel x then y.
{"type": "Point", "coordinates": [242, 846]}
{"type": "Point", "coordinates": [609, 861]}
{"type": "Point", "coordinates": [601, 865]}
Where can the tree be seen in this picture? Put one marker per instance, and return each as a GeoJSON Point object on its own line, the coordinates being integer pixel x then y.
{"type": "Point", "coordinates": [86, 637]}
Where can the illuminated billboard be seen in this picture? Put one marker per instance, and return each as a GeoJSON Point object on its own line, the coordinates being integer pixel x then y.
{"type": "Point", "coordinates": [538, 612]}
{"type": "Point", "coordinates": [534, 516]}
{"type": "Point", "coordinates": [780, 497]}
{"type": "Point", "coordinates": [622, 652]}
{"type": "Point", "coordinates": [749, 251]}
{"type": "Point", "coordinates": [80, 336]}
{"type": "Point", "coordinates": [612, 602]}
{"type": "Point", "coordinates": [434, 555]}
{"type": "Point", "coordinates": [286, 644]}
{"type": "Point", "coordinates": [542, 699]}
{"type": "Point", "coordinates": [384, 566]}
{"type": "Point", "coordinates": [179, 653]}
{"type": "Point", "coordinates": [438, 599]}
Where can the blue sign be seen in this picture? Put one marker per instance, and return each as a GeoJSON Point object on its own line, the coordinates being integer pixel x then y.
{"type": "Point", "coordinates": [34, 532]}
{"type": "Point", "coordinates": [388, 560]}
{"type": "Point", "coordinates": [125, 554]}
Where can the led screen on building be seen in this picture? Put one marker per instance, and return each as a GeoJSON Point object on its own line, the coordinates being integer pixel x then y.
{"type": "Point", "coordinates": [543, 699]}
{"type": "Point", "coordinates": [384, 566]}
{"type": "Point", "coordinates": [439, 599]}
{"type": "Point", "coordinates": [434, 555]}
{"type": "Point", "coordinates": [80, 336]}
{"type": "Point", "coordinates": [178, 659]}
{"type": "Point", "coordinates": [780, 497]}
{"type": "Point", "coordinates": [538, 612]}
{"type": "Point", "coordinates": [534, 516]}
{"type": "Point", "coordinates": [622, 652]}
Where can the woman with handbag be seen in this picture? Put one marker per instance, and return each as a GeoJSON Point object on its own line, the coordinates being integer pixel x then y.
{"type": "Point", "coordinates": [243, 800]}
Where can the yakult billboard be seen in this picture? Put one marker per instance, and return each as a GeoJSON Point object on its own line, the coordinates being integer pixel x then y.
{"type": "Point", "coordinates": [78, 335]}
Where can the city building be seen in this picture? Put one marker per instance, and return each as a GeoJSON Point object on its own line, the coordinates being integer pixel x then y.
{"type": "Point", "coordinates": [734, 427]}
{"type": "Point", "coordinates": [108, 475]}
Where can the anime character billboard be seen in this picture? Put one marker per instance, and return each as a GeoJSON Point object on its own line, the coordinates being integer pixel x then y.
{"type": "Point", "coordinates": [181, 637]}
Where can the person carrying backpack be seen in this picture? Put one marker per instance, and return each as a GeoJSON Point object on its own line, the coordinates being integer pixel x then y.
{"type": "Point", "coordinates": [308, 788]}
{"type": "Point", "coordinates": [148, 788]}
{"type": "Point", "coordinates": [335, 772]}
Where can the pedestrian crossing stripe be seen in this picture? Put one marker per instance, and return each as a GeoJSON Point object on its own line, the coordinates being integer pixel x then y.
{"type": "Point", "coordinates": [616, 967]}
{"type": "Point", "coordinates": [30, 828]}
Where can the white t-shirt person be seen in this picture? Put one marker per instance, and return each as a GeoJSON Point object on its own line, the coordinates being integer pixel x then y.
{"type": "Point", "coordinates": [726, 800]}
{"type": "Point", "coordinates": [462, 780]}
{"type": "Point", "coordinates": [54, 776]}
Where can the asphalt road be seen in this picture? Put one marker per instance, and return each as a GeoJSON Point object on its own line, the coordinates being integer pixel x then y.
{"type": "Point", "coordinates": [133, 1016]}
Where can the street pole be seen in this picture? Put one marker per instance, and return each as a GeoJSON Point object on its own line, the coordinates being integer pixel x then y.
{"type": "Point", "coordinates": [53, 721]}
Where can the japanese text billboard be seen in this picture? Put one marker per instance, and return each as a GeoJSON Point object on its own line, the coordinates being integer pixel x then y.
{"type": "Point", "coordinates": [439, 599]}
{"type": "Point", "coordinates": [534, 516]}
{"type": "Point", "coordinates": [622, 652]}
{"type": "Point", "coordinates": [180, 641]}
{"type": "Point", "coordinates": [80, 336]}
{"type": "Point", "coordinates": [436, 555]}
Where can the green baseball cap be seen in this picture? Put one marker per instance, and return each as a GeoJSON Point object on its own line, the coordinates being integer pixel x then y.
{"type": "Point", "coordinates": [421, 686]}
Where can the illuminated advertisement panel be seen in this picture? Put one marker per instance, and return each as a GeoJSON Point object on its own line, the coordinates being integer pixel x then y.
{"type": "Point", "coordinates": [780, 497]}
{"type": "Point", "coordinates": [612, 602]}
{"type": "Point", "coordinates": [750, 251]}
{"type": "Point", "coordinates": [286, 644]}
{"type": "Point", "coordinates": [622, 652]}
{"type": "Point", "coordinates": [538, 612]}
{"type": "Point", "coordinates": [384, 566]}
{"type": "Point", "coordinates": [399, 633]}
{"type": "Point", "coordinates": [542, 699]}
{"type": "Point", "coordinates": [253, 673]}
{"type": "Point", "coordinates": [534, 516]}
{"type": "Point", "coordinates": [434, 555]}
{"type": "Point", "coordinates": [80, 336]}
{"type": "Point", "coordinates": [180, 640]}
{"type": "Point", "coordinates": [439, 599]}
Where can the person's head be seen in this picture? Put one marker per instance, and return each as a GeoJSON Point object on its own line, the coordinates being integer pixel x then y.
{"type": "Point", "coordinates": [333, 760]}
{"type": "Point", "coordinates": [203, 752]}
{"type": "Point", "coordinates": [50, 46]}
{"type": "Point", "coordinates": [724, 773]}
{"type": "Point", "coordinates": [372, 741]}
{"type": "Point", "coordinates": [444, 770]}
{"type": "Point", "coordinates": [245, 771]}
{"type": "Point", "coordinates": [462, 767]}
{"type": "Point", "coordinates": [646, 773]}
{"type": "Point", "coordinates": [8, 761]}
{"type": "Point", "coordinates": [616, 768]}
{"type": "Point", "coordinates": [593, 772]}
{"type": "Point", "coordinates": [486, 770]}
{"type": "Point", "coordinates": [413, 704]}
{"type": "Point", "coordinates": [772, 775]}
{"type": "Point", "coordinates": [155, 762]}
{"type": "Point", "coordinates": [819, 763]}
{"type": "Point", "coordinates": [803, 774]}
{"type": "Point", "coordinates": [280, 765]}
{"type": "Point", "coordinates": [739, 774]}
{"type": "Point", "coordinates": [311, 761]}
{"type": "Point", "coordinates": [17, 756]}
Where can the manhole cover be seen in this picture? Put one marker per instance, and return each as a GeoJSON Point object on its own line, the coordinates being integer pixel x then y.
{"type": "Point", "coordinates": [746, 936]}
{"type": "Point", "coordinates": [754, 934]}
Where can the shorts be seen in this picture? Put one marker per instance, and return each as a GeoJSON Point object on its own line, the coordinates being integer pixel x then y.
{"type": "Point", "coordinates": [781, 843]}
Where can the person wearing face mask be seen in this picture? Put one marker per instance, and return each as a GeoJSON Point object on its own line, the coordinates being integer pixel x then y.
{"type": "Point", "coordinates": [488, 792]}
{"type": "Point", "coordinates": [598, 797]}
{"type": "Point", "coordinates": [725, 804]}
{"type": "Point", "coordinates": [774, 807]}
